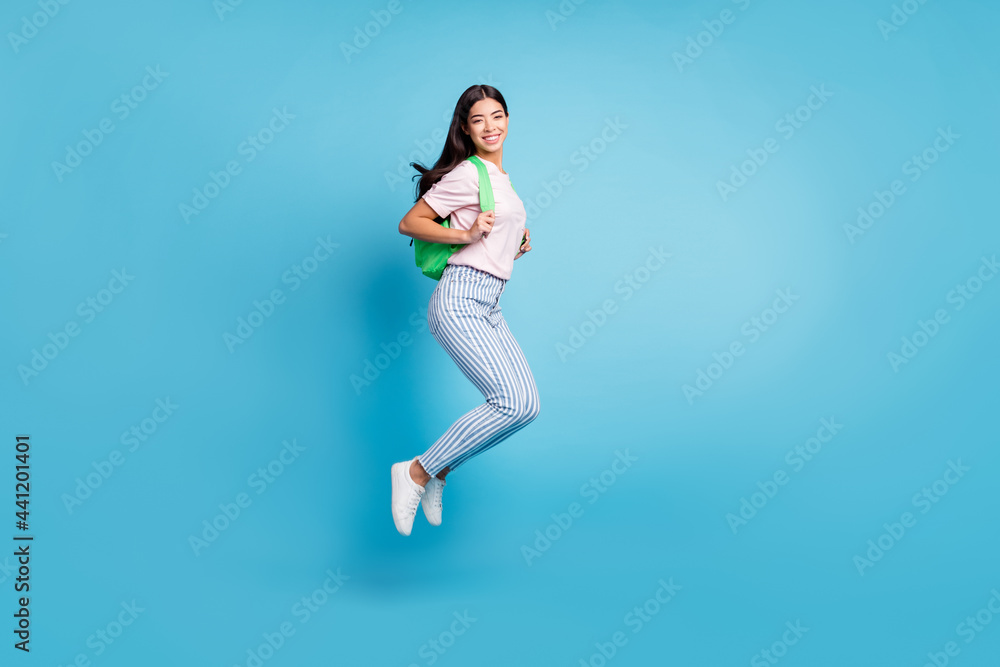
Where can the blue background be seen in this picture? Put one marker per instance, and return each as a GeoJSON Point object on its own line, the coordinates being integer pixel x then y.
{"type": "Point", "coordinates": [331, 173]}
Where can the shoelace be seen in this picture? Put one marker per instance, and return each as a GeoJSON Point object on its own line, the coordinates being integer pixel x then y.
{"type": "Point", "coordinates": [436, 494]}
{"type": "Point", "coordinates": [412, 502]}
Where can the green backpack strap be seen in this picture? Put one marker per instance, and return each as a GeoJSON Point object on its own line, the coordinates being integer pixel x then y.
{"type": "Point", "coordinates": [486, 202]}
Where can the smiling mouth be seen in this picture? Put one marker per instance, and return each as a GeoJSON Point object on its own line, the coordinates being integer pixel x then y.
{"type": "Point", "coordinates": [492, 139]}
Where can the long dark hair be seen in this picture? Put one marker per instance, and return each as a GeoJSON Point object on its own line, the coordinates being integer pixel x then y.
{"type": "Point", "coordinates": [457, 145]}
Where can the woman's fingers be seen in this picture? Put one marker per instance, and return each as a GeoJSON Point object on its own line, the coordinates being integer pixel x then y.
{"type": "Point", "coordinates": [485, 223]}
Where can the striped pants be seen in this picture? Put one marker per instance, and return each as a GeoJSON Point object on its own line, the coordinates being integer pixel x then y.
{"type": "Point", "coordinates": [464, 317]}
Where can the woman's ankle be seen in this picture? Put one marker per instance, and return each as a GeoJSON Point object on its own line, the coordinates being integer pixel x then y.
{"type": "Point", "coordinates": [418, 474]}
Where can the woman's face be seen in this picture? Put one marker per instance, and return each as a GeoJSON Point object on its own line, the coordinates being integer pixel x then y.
{"type": "Point", "coordinates": [487, 125]}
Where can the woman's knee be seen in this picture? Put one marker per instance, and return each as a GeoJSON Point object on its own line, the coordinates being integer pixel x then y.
{"type": "Point", "coordinates": [517, 405]}
{"type": "Point", "coordinates": [516, 413]}
{"type": "Point", "coordinates": [529, 414]}
{"type": "Point", "coordinates": [527, 407]}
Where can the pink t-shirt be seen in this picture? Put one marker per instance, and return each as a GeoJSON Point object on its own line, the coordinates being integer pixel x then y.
{"type": "Point", "coordinates": [457, 195]}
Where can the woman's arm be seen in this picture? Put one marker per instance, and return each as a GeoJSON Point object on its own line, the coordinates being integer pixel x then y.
{"type": "Point", "coordinates": [419, 223]}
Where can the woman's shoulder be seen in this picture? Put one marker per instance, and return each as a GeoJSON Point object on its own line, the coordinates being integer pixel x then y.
{"type": "Point", "coordinates": [464, 172]}
{"type": "Point", "coordinates": [459, 186]}
{"type": "Point", "coordinates": [466, 166]}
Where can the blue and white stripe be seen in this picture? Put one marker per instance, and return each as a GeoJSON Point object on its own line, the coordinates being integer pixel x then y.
{"type": "Point", "coordinates": [464, 317]}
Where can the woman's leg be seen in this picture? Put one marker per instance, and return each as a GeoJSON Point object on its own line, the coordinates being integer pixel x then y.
{"type": "Point", "coordinates": [476, 337]}
{"type": "Point", "coordinates": [528, 399]}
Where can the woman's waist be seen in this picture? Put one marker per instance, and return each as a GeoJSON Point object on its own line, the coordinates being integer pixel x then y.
{"type": "Point", "coordinates": [469, 271]}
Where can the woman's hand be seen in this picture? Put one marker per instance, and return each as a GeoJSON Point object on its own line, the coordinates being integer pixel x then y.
{"type": "Point", "coordinates": [481, 227]}
{"type": "Point", "coordinates": [526, 244]}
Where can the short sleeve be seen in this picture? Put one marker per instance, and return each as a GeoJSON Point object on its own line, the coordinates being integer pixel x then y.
{"type": "Point", "coordinates": [456, 189]}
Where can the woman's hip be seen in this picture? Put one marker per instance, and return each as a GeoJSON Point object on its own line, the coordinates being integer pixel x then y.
{"type": "Point", "coordinates": [465, 295]}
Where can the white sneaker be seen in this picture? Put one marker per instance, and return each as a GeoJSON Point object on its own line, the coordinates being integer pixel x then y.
{"type": "Point", "coordinates": [431, 500]}
{"type": "Point", "coordinates": [406, 496]}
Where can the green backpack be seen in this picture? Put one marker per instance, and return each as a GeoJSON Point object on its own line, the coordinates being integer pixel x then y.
{"type": "Point", "coordinates": [433, 257]}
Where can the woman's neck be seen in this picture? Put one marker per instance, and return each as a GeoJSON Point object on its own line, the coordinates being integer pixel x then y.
{"type": "Point", "coordinates": [497, 161]}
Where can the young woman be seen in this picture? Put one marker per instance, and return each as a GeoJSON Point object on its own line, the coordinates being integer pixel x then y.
{"type": "Point", "coordinates": [464, 311]}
